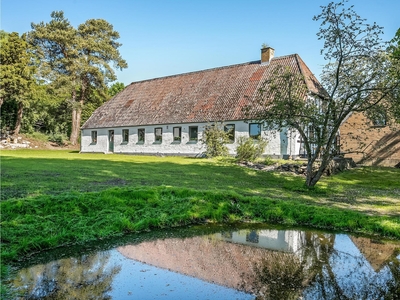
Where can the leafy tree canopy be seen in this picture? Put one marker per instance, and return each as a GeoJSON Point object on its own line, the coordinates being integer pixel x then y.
{"type": "Point", "coordinates": [394, 52]}
{"type": "Point", "coordinates": [358, 77]}
{"type": "Point", "coordinates": [77, 60]}
{"type": "Point", "coordinates": [394, 47]}
{"type": "Point", "coordinates": [115, 88]}
{"type": "Point", "coordinates": [16, 78]}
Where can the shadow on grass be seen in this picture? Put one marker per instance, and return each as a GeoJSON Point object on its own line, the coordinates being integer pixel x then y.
{"type": "Point", "coordinates": [24, 177]}
{"type": "Point", "coordinates": [33, 176]}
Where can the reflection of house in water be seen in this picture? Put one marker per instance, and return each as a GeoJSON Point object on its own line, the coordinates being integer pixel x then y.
{"type": "Point", "coordinates": [227, 258]}
{"type": "Point", "coordinates": [279, 240]}
{"type": "Point", "coordinates": [376, 253]}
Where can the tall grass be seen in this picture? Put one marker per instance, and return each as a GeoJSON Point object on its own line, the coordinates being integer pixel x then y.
{"type": "Point", "coordinates": [55, 198]}
{"type": "Point", "coordinates": [48, 221]}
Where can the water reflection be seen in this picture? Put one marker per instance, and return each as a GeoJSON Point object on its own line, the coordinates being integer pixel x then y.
{"type": "Point", "coordinates": [261, 263]}
{"type": "Point", "coordinates": [86, 277]}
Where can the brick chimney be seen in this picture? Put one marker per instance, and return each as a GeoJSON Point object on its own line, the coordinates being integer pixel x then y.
{"type": "Point", "coordinates": [267, 53]}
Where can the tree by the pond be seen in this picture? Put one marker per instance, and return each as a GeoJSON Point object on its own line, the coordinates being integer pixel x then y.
{"type": "Point", "coordinates": [394, 55]}
{"type": "Point", "coordinates": [359, 77]}
{"type": "Point", "coordinates": [77, 60]}
{"type": "Point", "coordinates": [16, 78]}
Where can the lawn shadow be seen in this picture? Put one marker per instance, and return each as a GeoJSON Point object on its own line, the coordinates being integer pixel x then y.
{"type": "Point", "coordinates": [34, 176]}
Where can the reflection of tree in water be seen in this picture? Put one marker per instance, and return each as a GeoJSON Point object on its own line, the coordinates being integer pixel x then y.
{"type": "Point", "coordinates": [277, 276]}
{"type": "Point", "coordinates": [394, 284]}
{"type": "Point", "coordinates": [355, 279]}
{"type": "Point", "coordinates": [284, 275]}
{"type": "Point", "coordinates": [86, 277]}
{"type": "Point", "coordinates": [318, 271]}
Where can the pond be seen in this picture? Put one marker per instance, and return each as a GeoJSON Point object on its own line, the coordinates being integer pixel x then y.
{"type": "Point", "coordinates": [216, 262]}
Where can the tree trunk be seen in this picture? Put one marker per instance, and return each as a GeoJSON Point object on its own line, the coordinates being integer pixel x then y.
{"type": "Point", "coordinates": [76, 119]}
{"type": "Point", "coordinates": [76, 122]}
{"type": "Point", "coordinates": [310, 177]}
{"type": "Point", "coordinates": [314, 176]}
{"type": "Point", "coordinates": [19, 118]}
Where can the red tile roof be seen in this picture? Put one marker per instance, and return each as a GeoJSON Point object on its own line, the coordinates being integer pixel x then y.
{"type": "Point", "coordinates": [218, 94]}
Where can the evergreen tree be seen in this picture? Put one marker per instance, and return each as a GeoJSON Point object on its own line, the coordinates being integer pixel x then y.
{"type": "Point", "coordinates": [77, 60]}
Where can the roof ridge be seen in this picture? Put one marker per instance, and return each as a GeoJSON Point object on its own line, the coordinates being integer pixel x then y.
{"type": "Point", "coordinates": [284, 56]}
{"type": "Point", "coordinates": [304, 69]}
{"type": "Point", "coordinates": [211, 69]}
{"type": "Point", "coordinates": [194, 72]}
{"type": "Point", "coordinates": [300, 64]}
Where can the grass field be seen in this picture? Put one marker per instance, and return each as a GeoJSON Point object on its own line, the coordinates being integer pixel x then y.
{"type": "Point", "coordinates": [53, 198]}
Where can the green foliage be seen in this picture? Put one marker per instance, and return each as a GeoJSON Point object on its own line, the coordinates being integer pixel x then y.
{"type": "Point", "coordinates": [4, 290]}
{"type": "Point", "coordinates": [8, 115]}
{"type": "Point", "coordinates": [58, 138]}
{"type": "Point", "coordinates": [115, 88]}
{"type": "Point", "coordinates": [357, 77]}
{"type": "Point", "coordinates": [394, 48]}
{"type": "Point", "coordinates": [15, 67]}
{"type": "Point", "coordinates": [76, 61]}
{"type": "Point", "coordinates": [249, 149]}
{"type": "Point", "coordinates": [393, 109]}
{"type": "Point", "coordinates": [268, 161]}
{"type": "Point", "coordinates": [215, 138]}
{"type": "Point", "coordinates": [75, 218]}
{"type": "Point", "coordinates": [38, 136]}
{"type": "Point", "coordinates": [48, 111]}
{"type": "Point", "coordinates": [59, 198]}
{"type": "Point", "coordinates": [94, 100]}
{"type": "Point", "coordinates": [16, 79]}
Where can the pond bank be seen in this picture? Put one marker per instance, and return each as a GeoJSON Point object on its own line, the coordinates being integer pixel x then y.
{"type": "Point", "coordinates": [224, 262]}
{"type": "Point", "coordinates": [57, 198]}
{"type": "Point", "coordinates": [46, 222]}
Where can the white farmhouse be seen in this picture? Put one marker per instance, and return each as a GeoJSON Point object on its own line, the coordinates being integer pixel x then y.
{"type": "Point", "coordinates": [168, 115]}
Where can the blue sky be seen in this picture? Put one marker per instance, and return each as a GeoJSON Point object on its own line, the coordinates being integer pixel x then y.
{"type": "Point", "coordinates": [167, 37]}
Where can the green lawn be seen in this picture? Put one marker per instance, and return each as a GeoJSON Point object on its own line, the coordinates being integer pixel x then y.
{"type": "Point", "coordinates": [53, 198]}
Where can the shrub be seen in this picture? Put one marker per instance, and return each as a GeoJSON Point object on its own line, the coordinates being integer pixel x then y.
{"type": "Point", "coordinates": [250, 149]}
{"type": "Point", "coordinates": [215, 138]}
{"type": "Point", "coordinates": [269, 161]}
{"type": "Point", "coordinates": [38, 136]}
{"type": "Point", "coordinates": [57, 138]}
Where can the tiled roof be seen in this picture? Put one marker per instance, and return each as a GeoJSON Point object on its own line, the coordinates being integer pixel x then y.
{"type": "Point", "coordinates": [218, 94]}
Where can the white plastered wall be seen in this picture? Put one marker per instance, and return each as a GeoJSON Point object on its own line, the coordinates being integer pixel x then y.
{"type": "Point", "coordinates": [280, 144]}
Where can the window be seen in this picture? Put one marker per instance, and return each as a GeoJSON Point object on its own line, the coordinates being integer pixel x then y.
{"type": "Point", "coordinates": [255, 130]}
{"type": "Point", "coordinates": [125, 135]}
{"type": "Point", "coordinates": [252, 237]}
{"type": "Point", "coordinates": [177, 131]}
{"type": "Point", "coordinates": [158, 135]}
{"type": "Point", "coordinates": [94, 137]}
{"type": "Point", "coordinates": [230, 129]}
{"type": "Point", "coordinates": [141, 135]}
{"type": "Point", "coordinates": [193, 133]}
